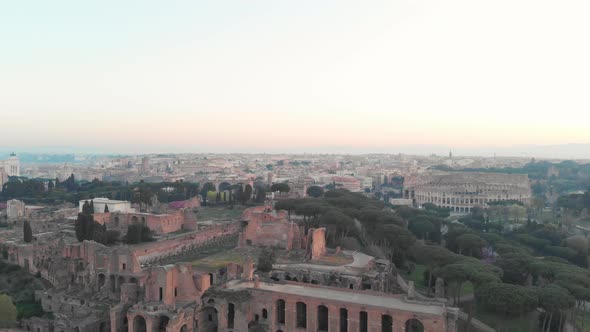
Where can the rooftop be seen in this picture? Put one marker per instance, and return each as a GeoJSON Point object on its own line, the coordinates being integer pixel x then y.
{"type": "Point", "coordinates": [103, 200]}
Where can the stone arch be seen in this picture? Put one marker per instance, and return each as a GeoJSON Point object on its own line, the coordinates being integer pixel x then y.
{"type": "Point", "coordinates": [184, 328]}
{"type": "Point", "coordinates": [414, 325]}
{"type": "Point", "coordinates": [301, 314]}
{"type": "Point", "coordinates": [281, 307]}
{"type": "Point", "coordinates": [102, 279]}
{"type": "Point", "coordinates": [139, 324]}
{"type": "Point", "coordinates": [343, 320]}
{"type": "Point", "coordinates": [163, 323]}
{"type": "Point", "coordinates": [386, 323]}
{"type": "Point", "coordinates": [264, 313]}
{"type": "Point", "coordinates": [120, 281]}
{"type": "Point", "coordinates": [133, 280]}
{"type": "Point", "coordinates": [231, 314]}
{"type": "Point", "coordinates": [323, 321]}
{"type": "Point", "coordinates": [209, 320]}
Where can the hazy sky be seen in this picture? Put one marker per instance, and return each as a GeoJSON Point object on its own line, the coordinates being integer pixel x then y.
{"type": "Point", "coordinates": [272, 74]}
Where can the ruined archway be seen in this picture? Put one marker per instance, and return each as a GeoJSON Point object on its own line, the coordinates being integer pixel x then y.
{"type": "Point", "coordinates": [386, 323]}
{"type": "Point", "coordinates": [323, 323]}
{"type": "Point", "coordinates": [208, 318]}
{"type": "Point", "coordinates": [301, 314]}
{"type": "Point", "coordinates": [184, 328]}
{"type": "Point", "coordinates": [414, 325]}
{"type": "Point", "coordinates": [102, 279]}
{"type": "Point", "coordinates": [120, 281]}
{"type": "Point", "coordinates": [139, 324]}
{"type": "Point", "coordinates": [163, 323]}
{"type": "Point", "coordinates": [231, 314]}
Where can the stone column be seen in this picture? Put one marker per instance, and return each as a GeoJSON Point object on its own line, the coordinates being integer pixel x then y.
{"type": "Point", "coordinates": [149, 324]}
{"type": "Point", "coordinates": [353, 320]}
{"type": "Point", "coordinates": [272, 316]}
{"type": "Point", "coordinates": [130, 321]}
{"type": "Point", "coordinates": [290, 316]}
{"type": "Point", "coordinates": [312, 317]}
{"type": "Point", "coordinates": [333, 318]}
{"type": "Point", "coordinates": [374, 321]}
{"type": "Point", "coordinates": [399, 323]}
{"type": "Point", "coordinates": [221, 317]}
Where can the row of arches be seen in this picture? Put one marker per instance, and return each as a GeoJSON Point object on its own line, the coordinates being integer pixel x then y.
{"type": "Point", "coordinates": [140, 324]}
{"type": "Point", "coordinates": [323, 321]}
{"type": "Point", "coordinates": [114, 282]}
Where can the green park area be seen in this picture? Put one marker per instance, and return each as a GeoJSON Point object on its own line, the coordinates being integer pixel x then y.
{"type": "Point", "coordinates": [222, 259]}
{"type": "Point", "coordinates": [219, 213]}
{"type": "Point", "coordinates": [20, 286]}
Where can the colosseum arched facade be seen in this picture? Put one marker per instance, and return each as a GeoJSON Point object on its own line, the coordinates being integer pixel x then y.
{"type": "Point", "coordinates": [462, 191]}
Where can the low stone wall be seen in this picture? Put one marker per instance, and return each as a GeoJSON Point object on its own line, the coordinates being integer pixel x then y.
{"type": "Point", "coordinates": [153, 252]}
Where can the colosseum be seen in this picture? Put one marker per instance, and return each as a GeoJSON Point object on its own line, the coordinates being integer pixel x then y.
{"type": "Point", "coordinates": [462, 191]}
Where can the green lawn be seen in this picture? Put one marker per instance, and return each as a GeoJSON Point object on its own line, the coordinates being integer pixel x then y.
{"type": "Point", "coordinates": [219, 213]}
{"type": "Point", "coordinates": [417, 277]}
{"type": "Point", "coordinates": [222, 259]}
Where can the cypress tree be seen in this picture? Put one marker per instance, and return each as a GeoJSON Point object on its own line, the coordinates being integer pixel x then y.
{"type": "Point", "coordinates": [106, 208]}
{"type": "Point", "coordinates": [28, 232]}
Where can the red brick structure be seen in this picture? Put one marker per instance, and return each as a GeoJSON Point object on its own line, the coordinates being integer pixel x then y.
{"type": "Point", "coordinates": [296, 307]}
{"type": "Point", "coordinates": [268, 228]}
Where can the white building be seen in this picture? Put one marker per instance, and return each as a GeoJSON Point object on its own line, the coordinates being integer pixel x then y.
{"type": "Point", "coordinates": [15, 209]}
{"type": "Point", "coordinates": [11, 165]}
{"type": "Point", "coordinates": [401, 201]}
{"type": "Point", "coordinates": [114, 205]}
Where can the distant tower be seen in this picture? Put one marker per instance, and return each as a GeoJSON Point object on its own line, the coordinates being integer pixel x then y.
{"type": "Point", "coordinates": [145, 165]}
{"type": "Point", "coordinates": [269, 179]}
{"type": "Point", "coordinates": [12, 165]}
{"type": "Point", "coordinates": [450, 154]}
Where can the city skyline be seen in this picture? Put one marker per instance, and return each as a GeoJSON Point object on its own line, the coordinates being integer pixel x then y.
{"type": "Point", "coordinates": [276, 76]}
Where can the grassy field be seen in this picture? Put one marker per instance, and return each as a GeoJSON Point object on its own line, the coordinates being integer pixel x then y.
{"type": "Point", "coordinates": [219, 213]}
{"type": "Point", "coordinates": [222, 259]}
